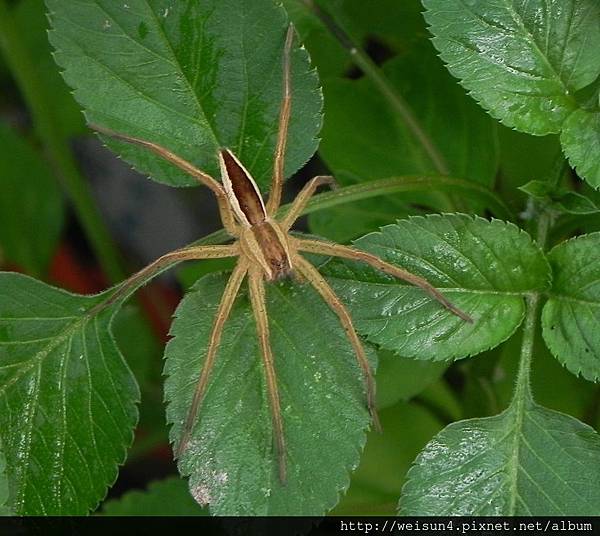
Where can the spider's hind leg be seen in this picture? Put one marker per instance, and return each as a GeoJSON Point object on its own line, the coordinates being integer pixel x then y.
{"type": "Point", "coordinates": [329, 296]}
{"type": "Point", "coordinates": [259, 308]}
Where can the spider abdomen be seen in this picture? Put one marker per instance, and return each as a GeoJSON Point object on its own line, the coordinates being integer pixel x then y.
{"type": "Point", "coordinates": [266, 244]}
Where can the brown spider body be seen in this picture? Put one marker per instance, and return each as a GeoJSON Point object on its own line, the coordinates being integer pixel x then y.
{"type": "Point", "coordinates": [266, 252]}
{"type": "Point", "coordinates": [261, 237]}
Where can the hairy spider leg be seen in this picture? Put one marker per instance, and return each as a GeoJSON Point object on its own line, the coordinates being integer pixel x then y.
{"type": "Point", "coordinates": [227, 215]}
{"type": "Point", "coordinates": [346, 252]}
{"type": "Point", "coordinates": [284, 121]}
{"type": "Point", "coordinates": [231, 290]}
{"type": "Point", "coordinates": [313, 276]}
{"type": "Point", "coordinates": [259, 308]}
{"type": "Point", "coordinates": [303, 198]}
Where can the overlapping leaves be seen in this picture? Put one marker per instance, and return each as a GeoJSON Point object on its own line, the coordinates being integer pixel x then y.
{"type": "Point", "coordinates": [190, 76]}
{"type": "Point", "coordinates": [68, 399]}
{"type": "Point", "coordinates": [540, 55]}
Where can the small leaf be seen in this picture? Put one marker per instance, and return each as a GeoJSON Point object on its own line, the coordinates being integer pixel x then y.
{"type": "Point", "coordinates": [230, 459]}
{"type": "Point", "coordinates": [575, 203]}
{"type": "Point", "coordinates": [537, 189]}
{"type": "Point", "coordinates": [527, 461]}
{"type": "Point", "coordinates": [169, 497]}
{"type": "Point", "coordinates": [483, 267]}
{"type": "Point", "coordinates": [31, 205]}
{"type": "Point", "coordinates": [190, 76]}
{"type": "Point", "coordinates": [571, 315]}
{"type": "Point", "coordinates": [68, 398]}
{"type": "Point", "coordinates": [580, 139]}
{"type": "Point", "coordinates": [522, 61]}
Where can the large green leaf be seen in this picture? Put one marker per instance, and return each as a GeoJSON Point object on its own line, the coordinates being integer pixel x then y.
{"type": "Point", "coordinates": [484, 267]}
{"type": "Point", "coordinates": [30, 203]}
{"type": "Point", "coordinates": [522, 60]}
{"type": "Point", "coordinates": [230, 458]}
{"type": "Point", "coordinates": [581, 142]}
{"type": "Point", "coordinates": [169, 497]}
{"type": "Point", "coordinates": [192, 76]}
{"type": "Point", "coordinates": [68, 399]}
{"type": "Point", "coordinates": [526, 461]}
{"type": "Point", "coordinates": [571, 315]}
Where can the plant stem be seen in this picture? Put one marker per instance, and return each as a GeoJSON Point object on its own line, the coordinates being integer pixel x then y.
{"type": "Point", "coordinates": [56, 145]}
{"type": "Point", "coordinates": [372, 71]}
{"type": "Point", "coordinates": [366, 190]}
{"type": "Point", "coordinates": [544, 224]}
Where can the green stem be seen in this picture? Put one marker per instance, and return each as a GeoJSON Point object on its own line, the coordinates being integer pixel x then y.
{"type": "Point", "coordinates": [372, 71]}
{"type": "Point", "coordinates": [56, 145]}
{"type": "Point", "coordinates": [544, 225]}
{"type": "Point", "coordinates": [366, 190]}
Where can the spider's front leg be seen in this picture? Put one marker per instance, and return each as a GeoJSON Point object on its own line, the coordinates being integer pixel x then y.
{"type": "Point", "coordinates": [284, 121]}
{"type": "Point", "coordinates": [229, 295]}
{"type": "Point", "coordinates": [303, 198]}
{"type": "Point", "coordinates": [227, 216]}
{"type": "Point", "coordinates": [337, 250]}
{"type": "Point", "coordinates": [259, 308]}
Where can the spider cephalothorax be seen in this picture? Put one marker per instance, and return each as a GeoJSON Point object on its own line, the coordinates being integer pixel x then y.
{"type": "Point", "coordinates": [266, 251]}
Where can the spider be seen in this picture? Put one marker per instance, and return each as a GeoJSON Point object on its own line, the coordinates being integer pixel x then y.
{"type": "Point", "coordinates": [266, 252]}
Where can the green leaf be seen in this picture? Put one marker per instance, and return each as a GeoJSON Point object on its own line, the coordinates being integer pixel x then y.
{"type": "Point", "coordinates": [192, 77]}
{"type": "Point", "coordinates": [30, 203]}
{"type": "Point", "coordinates": [365, 137]}
{"type": "Point", "coordinates": [68, 398]}
{"type": "Point", "coordinates": [169, 497]}
{"type": "Point", "coordinates": [575, 203]}
{"type": "Point", "coordinates": [231, 460]}
{"type": "Point", "coordinates": [387, 457]}
{"type": "Point", "coordinates": [522, 61]}
{"type": "Point", "coordinates": [571, 315]}
{"type": "Point", "coordinates": [580, 139]}
{"type": "Point", "coordinates": [484, 267]}
{"type": "Point", "coordinates": [326, 53]}
{"type": "Point", "coordinates": [402, 379]}
{"type": "Point", "coordinates": [564, 200]}
{"type": "Point", "coordinates": [526, 461]}
{"type": "Point", "coordinates": [537, 189]}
